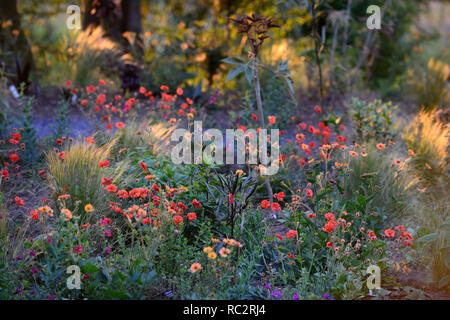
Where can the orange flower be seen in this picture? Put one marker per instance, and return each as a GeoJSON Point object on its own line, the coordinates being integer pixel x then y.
{"type": "Point", "coordinates": [195, 267]}
{"type": "Point", "coordinates": [224, 252]}
{"type": "Point", "coordinates": [207, 249]}
{"type": "Point", "coordinates": [67, 213]}
{"type": "Point", "coordinates": [272, 119]}
{"type": "Point", "coordinates": [212, 255]}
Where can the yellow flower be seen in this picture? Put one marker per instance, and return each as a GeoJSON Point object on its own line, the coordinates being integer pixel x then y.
{"type": "Point", "coordinates": [212, 255]}
{"type": "Point", "coordinates": [88, 207]}
{"type": "Point", "coordinates": [239, 172]}
{"type": "Point", "coordinates": [195, 267]}
{"type": "Point", "coordinates": [207, 249]}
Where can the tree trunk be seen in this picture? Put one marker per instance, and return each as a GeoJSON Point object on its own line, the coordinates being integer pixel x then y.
{"type": "Point", "coordinates": [17, 55]}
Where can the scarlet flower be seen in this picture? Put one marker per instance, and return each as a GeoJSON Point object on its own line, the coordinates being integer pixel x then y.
{"type": "Point", "coordinates": [179, 91]}
{"type": "Point", "coordinates": [61, 155]}
{"type": "Point", "coordinates": [19, 201]}
{"type": "Point", "coordinates": [90, 89]}
{"type": "Point", "coordinates": [104, 163]}
{"type": "Point", "coordinates": [291, 234]}
{"type": "Point", "coordinates": [280, 196]}
{"type": "Point", "coordinates": [309, 193]}
{"type": "Point", "coordinates": [164, 88]}
{"type": "Point", "coordinates": [272, 119]}
{"type": "Point", "coordinates": [329, 244]}
{"type": "Point", "coordinates": [178, 219]}
{"type": "Point", "coordinates": [389, 233]}
{"type": "Point", "coordinates": [329, 226]}
{"type": "Point", "coordinates": [191, 216]}
{"type": "Point", "coordinates": [122, 194]}
{"type": "Point", "coordinates": [276, 206]}
{"type": "Point", "coordinates": [329, 216]}
{"type": "Point", "coordinates": [196, 204]}
{"type": "Point", "coordinates": [265, 204]}
{"type": "Point", "coordinates": [311, 215]}
{"type": "Point", "coordinates": [90, 140]}
{"type": "Point", "coordinates": [143, 165]}
{"type": "Point", "coordinates": [112, 188]}
{"type": "Point", "coordinates": [14, 157]}
{"type": "Point", "coordinates": [34, 214]}
{"type": "Point", "coordinates": [101, 82]}
{"type": "Point", "coordinates": [230, 198]}
{"type": "Point", "coordinates": [120, 125]}
{"type": "Point", "coordinates": [17, 136]}
{"type": "Point", "coordinates": [146, 221]}
{"type": "Point", "coordinates": [318, 109]}
{"type": "Point", "coordinates": [279, 236]}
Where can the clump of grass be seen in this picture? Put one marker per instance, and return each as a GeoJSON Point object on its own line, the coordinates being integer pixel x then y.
{"type": "Point", "coordinates": [431, 88]}
{"type": "Point", "coordinates": [80, 176]}
{"type": "Point", "coordinates": [386, 186]}
{"type": "Point", "coordinates": [428, 139]}
{"type": "Point", "coordinates": [146, 135]}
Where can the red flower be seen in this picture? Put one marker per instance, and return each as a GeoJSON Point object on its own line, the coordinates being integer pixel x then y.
{"type": "Point", "coordinates": [279, 236]}
{"type": "Point", "coordinates": [14, 157]}
{"type": "Point", "coordinates": [90, 140]}
{"type": "Point", "coordinates": [276, 206]}
{"type": "Point", "coordinates": [329, 244]}
{"type": "Point", "coordinates": [19, 201]}
{"type": "Point", "coordinates": [146, 221]}
{"type": "Point", "coordinates": [104, 163]}
{"type": "Point", "coordinates": [329, 226]}
{"type": "Point", "coordinates": [17, 136]}
{"type": "Point", "coordinates": [178, 219]}
{"type": "Point", "coordinates": [230, 198]}
{"type": "Point", "coordinates": [143, 165]}
{"type": "Point", "coordinates": [311, 215]}
{"type": "Point", "coordinates": [265, 204]}
{"type": "Point", "coordinates": [329, 216]}
{"type": "Point", "coordinates": [196, 204]}
{"type": "Point", "coordinates": [309, 193]}
{"type": "Point", "coordinates": [291, 234]}
{"type": "Point", "coordinates": [179, 91]}
{"type": "Point", "coordinates": [191, 216]}
{"type": "Point", "coordinates": [112, 188]}
{"type": "Point", "coordinates": [122, 194]}
{"type": "Point", "coordinates": [389, 233]}
{"type": "Point", "coordinates": [34, 214]}
{"type": "Point", "coordinates": [120, 125]}
{"type": "Point", "coordinates": [280, 195]}
{"type": "Point", "coordinates": [317, 109]}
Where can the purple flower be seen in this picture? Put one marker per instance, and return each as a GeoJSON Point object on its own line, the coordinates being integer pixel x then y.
{"type": "Point", "coordinates": [108, 249]}
{"type": "Point", "coordinates": [50, 297]}
{"type": "Point", "coordinates": [268, 286]}
{"type": "Point", "coordinates": [32, 253]}
{"type": "Point", "coordinates": [212, 100]}
{"type": "Point", "coordinates": [295, 297]}
{"type": "Point", "coordinates": [49, 240]}
{"type": "Point", "coordinates": [19, 257]}
{"type": "Point", "coordinates": [277, 294]}
{"type": "Point", "coordinates": [326, 296]}
{"type": "Point", "coordinates": [19, 290]}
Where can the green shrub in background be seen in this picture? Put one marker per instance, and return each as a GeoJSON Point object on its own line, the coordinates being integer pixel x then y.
{"type": "Point", "coordinates": [373, 120]}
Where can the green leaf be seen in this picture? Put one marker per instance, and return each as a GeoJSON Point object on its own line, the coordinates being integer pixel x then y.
{"type": "Point", "coordinates": [234, 73]}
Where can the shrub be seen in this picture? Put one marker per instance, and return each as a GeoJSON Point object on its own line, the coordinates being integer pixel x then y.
{"type": "Point", "coordinates": [373, 120]}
